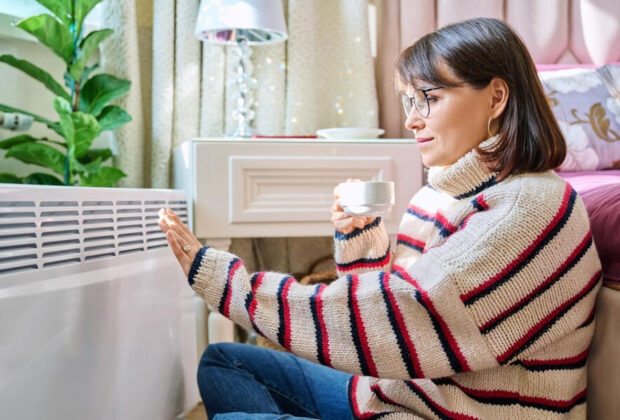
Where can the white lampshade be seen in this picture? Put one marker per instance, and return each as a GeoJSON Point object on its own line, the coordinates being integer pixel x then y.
{"type": "Point", "coordinates": [224, 21]}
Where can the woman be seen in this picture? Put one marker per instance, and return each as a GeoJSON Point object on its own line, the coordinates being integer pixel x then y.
{"type": "Point", "coordinates": [484, 310]}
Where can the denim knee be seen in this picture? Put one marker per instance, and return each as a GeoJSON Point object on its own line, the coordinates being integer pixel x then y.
{"type": "Point", "coordinates": [214, 354]}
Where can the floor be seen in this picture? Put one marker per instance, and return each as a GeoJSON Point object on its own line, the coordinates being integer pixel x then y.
{"type": "Point", "coordinates": [197, 413]}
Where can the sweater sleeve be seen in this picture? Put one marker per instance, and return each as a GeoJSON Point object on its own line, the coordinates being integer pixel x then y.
{"type": "Point", "coordinates": [366, 249]}
{"type": "Point", "coordinates": [468, 304]}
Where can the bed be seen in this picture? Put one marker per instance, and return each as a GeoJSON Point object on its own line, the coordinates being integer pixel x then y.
{"type": "Point", "coordinates": [600, 191]}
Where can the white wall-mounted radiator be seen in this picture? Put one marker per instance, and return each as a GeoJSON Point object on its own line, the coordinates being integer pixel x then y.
{"type": "Point", "coordinates": [96, 318]}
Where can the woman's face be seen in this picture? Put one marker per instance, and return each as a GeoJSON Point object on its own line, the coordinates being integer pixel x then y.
{"type": "Point", "coordinates": [456, 123]}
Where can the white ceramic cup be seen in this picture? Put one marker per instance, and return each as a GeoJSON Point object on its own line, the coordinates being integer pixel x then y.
{"type": "Point", "coordinates": [371, 198]}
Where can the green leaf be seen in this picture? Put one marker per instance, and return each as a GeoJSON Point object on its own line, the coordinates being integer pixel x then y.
{"type": "Point", "coordinates": [63, 108]}
{"type": "Point", "coordinates": [82, 9]}
{"type": "Point", "coordinates": [106, 176]}
{"type": "Point", "coordinates": [54, 126]}
{"type": "Point", "coordinates": [50, 33]}
{"type": "Point", "coordinates": [86, 129]}
{"type": "Point", "coordinates": [42, 179]}
{"type": "Point", "coordinates": [6, 178]}
{"type": "Point", "coordinates": [38, 154]}
{"type": "Point", "coordinates": [89, 167]}
{"type": "Point", "coordinates": [12, 141]}
{"type": "Point", "coordinates": [100, 90]}
{"type": "Point", "coordinates": [79, 129]}
{"type": "Point", "coordinates": [93, 155]}
{"type": "Point", "coordinates": [112, 117]}
{"type": "Point", "coordinates": [36, 73]}
{"type": "Point", "coordinates": [87, 72]}
{"type": "Point", "coordinates": [60, 8]}
{"type": "Point", "coordinates": [87, 47]}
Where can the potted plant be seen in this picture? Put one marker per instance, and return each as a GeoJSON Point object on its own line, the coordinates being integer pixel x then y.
{"type": "Point", "coordinates": [82, 104]}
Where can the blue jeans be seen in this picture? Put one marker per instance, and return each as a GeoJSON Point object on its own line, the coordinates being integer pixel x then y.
{"type": "Point", "coordinates": [237, 379]}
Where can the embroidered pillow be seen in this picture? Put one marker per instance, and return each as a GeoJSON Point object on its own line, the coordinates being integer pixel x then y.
{"type": "Point", "coordinates": [583, 102]}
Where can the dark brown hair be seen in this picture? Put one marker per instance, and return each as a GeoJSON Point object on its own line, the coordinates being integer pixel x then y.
{"type": "Point", "coordinates": [477, 50]}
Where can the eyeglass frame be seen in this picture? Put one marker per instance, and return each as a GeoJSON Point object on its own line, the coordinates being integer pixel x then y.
{"type": "Point", "coordinates": [411, 100]}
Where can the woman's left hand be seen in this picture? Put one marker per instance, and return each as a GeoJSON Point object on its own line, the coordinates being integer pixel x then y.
{"type": "Point", "coordinates": [184, 244]}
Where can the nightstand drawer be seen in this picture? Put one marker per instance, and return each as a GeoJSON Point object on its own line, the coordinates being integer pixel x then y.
{"type": "Point", "coordinates": [257, 188]}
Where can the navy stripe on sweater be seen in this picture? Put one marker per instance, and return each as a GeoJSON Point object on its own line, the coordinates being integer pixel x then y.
{"type": "Point", "coordinates": [526, 256]}
{"type": "Point", "coordinates": [357, 330]}
{"type": "Point", "coordinates": [196, 265]}
{"type": "Point", "coordinates": [357, 413]}
{"type": "Point", "coordinates": [486, 184]}
{"type": "Point", "coordinates": [568, 363]}
{"type": "Point", "coordinates": [223, 306]}
{"type": "Point", "coordinates": [458, 363]}
{"type": "Point", "coordinates": [356, 232]}
{"type": "Point", "coordinates": [547, 322]}
{"type": "Point", "coordinates": [366, 262]}
{"type": "Point", "coordinates": [407, 349]}
{"type": "Point", "coordinates": [588, 320]}
{"type": "Point", "coordinates": [321, 341]}
{"type": "Point", "coordinates": [436, 408]}
{"type": "Point", "coordinates": [284, 332]}
{"type": "Point", "coordinates": [445, 227]}
{"type": "Point", "coordinates": [249, 298]}
{"type": "Point", "coordinates": [572, 260]}
{"type": "Point", "coordinates": [505, 398]}
{"type": "Point", "coordinates": [410, 242]}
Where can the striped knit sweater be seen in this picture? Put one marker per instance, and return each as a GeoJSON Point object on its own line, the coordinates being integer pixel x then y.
{"type": "Point", "coordinates": [484, 310]}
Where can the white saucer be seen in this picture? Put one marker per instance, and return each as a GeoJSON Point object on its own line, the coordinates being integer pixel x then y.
{"type": "Point", "coordinates": [350, 133]}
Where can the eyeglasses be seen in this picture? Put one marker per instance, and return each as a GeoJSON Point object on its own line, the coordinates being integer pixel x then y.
{"type": "Point", "coordinates": [420, 100]}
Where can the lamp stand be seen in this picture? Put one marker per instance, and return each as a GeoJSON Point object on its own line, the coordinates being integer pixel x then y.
{"type": "Point", "coordinates": [244, 112]}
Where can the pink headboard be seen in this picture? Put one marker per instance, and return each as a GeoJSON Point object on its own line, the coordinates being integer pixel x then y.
{"type": "Point", "coordinates": [555, 31]}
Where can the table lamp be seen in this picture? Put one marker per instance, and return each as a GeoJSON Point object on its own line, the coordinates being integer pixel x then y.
{"type": "Point", "coordinates": [242, 23]}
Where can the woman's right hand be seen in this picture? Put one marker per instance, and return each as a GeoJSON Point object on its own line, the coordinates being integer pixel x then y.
{"type": "Point", "coordinates": [343, 222]}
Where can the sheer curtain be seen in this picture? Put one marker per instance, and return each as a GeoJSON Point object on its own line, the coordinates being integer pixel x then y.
{"type": "Point", "coordinates": [321, 77]}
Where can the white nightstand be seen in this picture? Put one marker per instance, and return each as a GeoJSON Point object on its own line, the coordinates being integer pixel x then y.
{"type": "Point", "coordinates": [245, 188]}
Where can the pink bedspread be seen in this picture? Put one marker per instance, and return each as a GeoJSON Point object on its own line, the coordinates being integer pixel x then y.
{"type": "Point", "coordinates": [600, 191]}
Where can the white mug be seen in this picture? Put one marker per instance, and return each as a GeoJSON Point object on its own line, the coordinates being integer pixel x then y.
{"type": "Point", "coordinates": [371, 198]}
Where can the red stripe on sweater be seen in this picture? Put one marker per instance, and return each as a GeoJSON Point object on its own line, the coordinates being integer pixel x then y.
{"type": "Point", "coordinates": [558, 216]}
{"type": "Point", "coordinates": [324, 334]}
{"type": "Point", "coordinates": [431, 308]}
{"type": "Point", "coordinates": [355, 405]}
{"type": "Point", "coordinates": [361, 328]}
{"type": "Point", "coordinates": [502, 394]}
{"type": "Point", "coordinates": [231, 273]}
{"type": "Point", "coordinates": [287, 313]}
{"type": "Point", "coordinates": [254, 303]}
{"type": "Point", "coordinates": [548, 280]}
{"type": "Point", "coordinates": [404, 332]}
{"type": "Point", "coordinates": [555, 362]}
{"type": "Point", "coordinates": [440, 408]}
{"type": "Point", "coordinates": [546, 320]}
{"type": "Point", "coordinates": [482, 202]}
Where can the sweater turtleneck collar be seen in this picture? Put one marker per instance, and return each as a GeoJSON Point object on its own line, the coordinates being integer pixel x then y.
{"type": "Point", "coordinates": [466, 177]}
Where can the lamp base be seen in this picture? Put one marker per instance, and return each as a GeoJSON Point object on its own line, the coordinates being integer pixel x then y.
{"type": "Point", "coordinates": [244, 113]}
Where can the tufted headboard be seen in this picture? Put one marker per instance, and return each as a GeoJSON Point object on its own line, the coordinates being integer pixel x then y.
{"type": "Point", "coordinates": [555, 31]}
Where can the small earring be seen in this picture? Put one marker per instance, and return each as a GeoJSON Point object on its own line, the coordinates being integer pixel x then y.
{"type": "Point", "coordinates": [489, 128]}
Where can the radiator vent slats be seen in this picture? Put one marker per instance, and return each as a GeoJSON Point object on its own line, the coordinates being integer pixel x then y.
{"type": "Point", "coordinates": [36, 235]}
